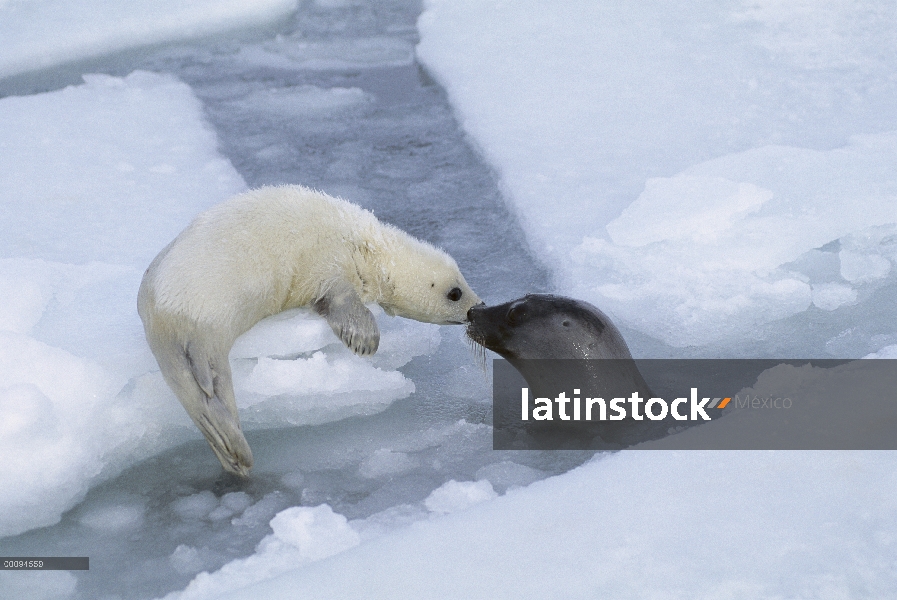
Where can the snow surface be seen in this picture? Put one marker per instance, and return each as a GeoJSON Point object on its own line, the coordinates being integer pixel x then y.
{"type": "Point", "coordinates": [459, 495]}
{"type": "Point", "coordinates": [703, 525]}
{"type": "Point", "coordinates": [92, 187]}
{"type": "Point", "coordinates": [42, 33]}
{"type": "Point", "coordinates": [671, 165]}
{"type": "Point", "coordinates": [709, 174]}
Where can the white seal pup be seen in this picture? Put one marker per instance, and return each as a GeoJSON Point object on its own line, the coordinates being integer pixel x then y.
{"type": "Point", "coordinates": [263, 252]}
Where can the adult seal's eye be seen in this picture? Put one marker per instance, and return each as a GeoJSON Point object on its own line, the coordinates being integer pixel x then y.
{"type": "Point", "coordinates": [454, 294]}
{"type": "Point", "coordinates": [516, 313]}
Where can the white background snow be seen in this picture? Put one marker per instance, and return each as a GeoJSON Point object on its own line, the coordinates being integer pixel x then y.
{"type": "Point", "coordinates": [718, 176]}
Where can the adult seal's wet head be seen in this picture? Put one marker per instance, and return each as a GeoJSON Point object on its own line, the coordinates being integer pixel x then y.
{"type": "Point", "coordinates": [540, 326]}
{"type": "Point", "coordinates": [539, 334]}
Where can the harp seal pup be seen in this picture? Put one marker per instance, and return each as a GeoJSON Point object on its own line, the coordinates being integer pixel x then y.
{"type": "Point", "coordinates": [266, 251]}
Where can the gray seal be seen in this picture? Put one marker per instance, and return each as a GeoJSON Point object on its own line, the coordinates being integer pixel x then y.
{"type": "Point", "coordinates": [540, 326]}
{"type": "Point", "coordinates": [558, 343]}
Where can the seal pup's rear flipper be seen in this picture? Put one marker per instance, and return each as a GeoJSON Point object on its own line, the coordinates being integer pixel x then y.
{"type": "Point", "coordinates": [205, 389]}
{"type": "Point", "coordinates": [349, 318]}
{"type": "Point", "coordinates": [225, 437]}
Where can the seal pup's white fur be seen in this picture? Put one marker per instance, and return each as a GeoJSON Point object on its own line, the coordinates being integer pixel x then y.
{"type": "Point", "coordinates": [266, 251]}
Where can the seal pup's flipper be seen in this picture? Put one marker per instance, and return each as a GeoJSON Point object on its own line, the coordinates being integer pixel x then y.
{"type": "Point", "coordinates": [349, 318]}
{"type": "Point", "coordinates": [211, 404]}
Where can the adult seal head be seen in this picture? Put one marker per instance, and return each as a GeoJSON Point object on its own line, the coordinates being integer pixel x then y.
{"type": "Point", "coordinates": [540, 326]}
{"type": "Point", "coordinates": [533, 331]}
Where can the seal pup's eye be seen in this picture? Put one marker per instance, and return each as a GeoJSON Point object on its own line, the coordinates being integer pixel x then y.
{"type": "Point", "coordinates": [454, 294]}
{"type": "Point", "coordinates": [516, 313]}
{"type": "Point", "coordinates": [566, 323]}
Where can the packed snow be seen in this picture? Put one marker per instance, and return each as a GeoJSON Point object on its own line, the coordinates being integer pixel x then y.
{"type": "Point", "coordinates": [44, 33]}
{"type": "Point", "coordinates": [660, 524]}
{"type": "Point", "coordinates": [731, 226]}
{"type": "Point", "coordinates": [91, 187]}
{"type": "Point", "coordinates": [682, 168]}
{"type": "Point", "coordinates": [718, 177]}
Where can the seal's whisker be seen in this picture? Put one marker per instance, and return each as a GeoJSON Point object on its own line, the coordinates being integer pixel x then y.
{"type": "Point", "coordinates": [479, 353]}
